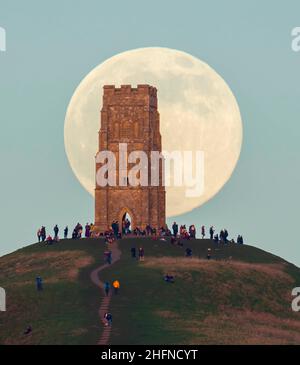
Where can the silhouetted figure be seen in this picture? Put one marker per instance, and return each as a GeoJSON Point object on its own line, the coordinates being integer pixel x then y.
{"type": "Point", "coordinates": [225, 235]}
{"type": "Point", "coordinates": [74, 234]}
{"type": "Point", "coordinates": [203, 231]}
{"type": "Point", "coordinates": [87, 230]}
{"type": "Point", "coordinates": [133, 252]}
{"type": "Point", "coordinates": [108, 318]}
{"type": "Point", "coordinates": [108, 257]}
{"type": "Point", "coordinates": [66, 230]}
{"type": "Point", "coordinates": [175, 229]}
{"type": "Point", "coordinates": [39, 283]}
{"type": "Point", "coordinates": [39, 234]}
{"type": "Point", "coordinates": [211, 232]}
{"type": "Point", "coordinates": [116, 285]}
{"type": "Point", "coordinates": [141, 254]}
{"type": "Point", "coordinates": [240, 240]}
{"type": "Point", "coordinates": [188, 252]}
{"type": "Point", "coordinates": [222, 236]}
{"type": "Point", "coordinates": [56, 230]}
{"type": "Point", "coordinates": [115, 228]}
{"type": "Point", "coordinates": [148, 230]}
{"type": "Point", "coordinates": [127, 226]}
{"type": "Point", "coordinates": [106, 288]}
{"type": "Point", "coordinates": [192, 231]}
{"type": "Point", "coordinates": [78, 229]}
{"type": "Point", "coordinates": [43, 233]}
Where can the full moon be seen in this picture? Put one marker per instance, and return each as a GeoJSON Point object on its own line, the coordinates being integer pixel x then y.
{"type": "Point", "coordinates": [197, 110]}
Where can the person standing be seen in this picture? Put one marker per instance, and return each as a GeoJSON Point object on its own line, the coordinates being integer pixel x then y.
{"type": "Point", "coordinates": [91, 230]}
{"type": "Point", "coordinates": [116, 285]}
{"type": "Point", "coordinates": [74, 234]}
{"type": "Point", "coordinates": [39, 283]}
{"type": "Point", "coordinates": [211, 232]}
{"type": "Point", "coordinates": [141, 254]}
{"type": "Point", "coordinates": [66, 230]}
{"type": "Point", "coordinates": [39, 234]}
{"type": "Point", "coordinates": [109, 257]}
{"type": "Point", "coordinates": [192, 231]}
{"type": "Point", "coordinates": [106, 288]}
{"type": "Point", "coordinates": [216, 238]}
{"type": "Point", "coordinates": [43, 233]}
{"type": "Point", "coordinates": [133, 252]}
{"type": "Point", "coordinates": [225, 235]}
{"type": "Point", "coordinates": [127, 226]}
{"type": "Point", "coordinates": [222, 236]}
{"type": "Point", "coordinates": [203, 231]}
{"type": "Point", "coordinates": [108, 318]}
{"type": "Point", "coordinates": [175, 229]}
{"type": "Point", "coordinates": [56, 230]}
{"type": "Point", "coordinates": [87, 230]}
{"type": "Point", "coordinates": [240, 240]}
{"type": "Point", "coordinates": [115, 228]}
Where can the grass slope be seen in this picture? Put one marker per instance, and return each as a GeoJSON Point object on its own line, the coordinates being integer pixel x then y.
{"type": "Point", "coordinates": [66, 311]}
{"type": "Point", "coordinates": [243, 295]}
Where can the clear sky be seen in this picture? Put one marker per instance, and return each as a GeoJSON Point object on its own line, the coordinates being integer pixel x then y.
{"type": "Point", "coordinates": [51, 46]}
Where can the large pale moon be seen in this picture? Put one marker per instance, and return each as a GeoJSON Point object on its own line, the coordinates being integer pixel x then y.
{"type": "Point", "coordinates": [197, 110]}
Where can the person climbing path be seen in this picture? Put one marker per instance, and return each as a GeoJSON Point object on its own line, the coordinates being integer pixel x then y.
{"type": "Point", "coordinates": [104, 307]}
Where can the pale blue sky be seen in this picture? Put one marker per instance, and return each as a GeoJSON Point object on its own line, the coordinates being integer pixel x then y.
{"type": "Point", "coordinates": [51, 46]}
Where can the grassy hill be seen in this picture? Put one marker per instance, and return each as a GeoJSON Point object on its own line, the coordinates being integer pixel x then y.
{"type": "Point", "coordinates": [241, 296]}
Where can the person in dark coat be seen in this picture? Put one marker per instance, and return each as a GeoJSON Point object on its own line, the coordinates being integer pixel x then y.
{"type": "Point", "coordinates": [175, 229]}
{"type": "Point", "coordinates": [66, 230]}
{"type": "Point", "coordinates": [56, 230]}
{"type": "Point", "coordinates": [133, 252]}
{"type": "Point", "coordinates": [188, 252]}
{"type": "Point", "coordinates": [106, 288]}
{"type": "Point", "coordinates": [39, 283]}
{"type": "Point", "coordinates": [141, 254]}
{"type": "Point", "coordinates": [43, 233]}
{"type": "Point", "coordinates": [211, 232]}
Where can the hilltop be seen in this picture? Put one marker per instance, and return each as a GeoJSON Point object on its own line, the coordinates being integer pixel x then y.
{"type": "Point", "coordinates": [241, 296]}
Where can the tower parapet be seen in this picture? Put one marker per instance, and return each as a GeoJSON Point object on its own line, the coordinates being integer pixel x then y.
{"type": "Point", "coordinates": [126, 94]}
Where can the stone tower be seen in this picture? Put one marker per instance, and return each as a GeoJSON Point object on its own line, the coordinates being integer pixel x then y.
{"type": "Point", "coordinates": [129, 115]}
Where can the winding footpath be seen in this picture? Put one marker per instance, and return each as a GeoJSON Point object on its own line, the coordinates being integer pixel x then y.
{"type": "Point", "coordinates": [116, 254]}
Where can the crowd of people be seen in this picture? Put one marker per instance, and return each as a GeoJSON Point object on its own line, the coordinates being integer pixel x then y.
{"type": "Point", "coordinates": [76, 233]}
{"type": "Point", "coordinates": [178, 233]}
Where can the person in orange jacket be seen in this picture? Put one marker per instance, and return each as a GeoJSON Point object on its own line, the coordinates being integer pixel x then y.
{"type": "Point", "coordinates": [116, 285]}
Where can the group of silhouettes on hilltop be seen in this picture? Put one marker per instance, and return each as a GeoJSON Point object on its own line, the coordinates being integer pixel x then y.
{"type": "Point", "coordinates": [178, 232]}
{"type": "Point", "coordinates": [77, 233]}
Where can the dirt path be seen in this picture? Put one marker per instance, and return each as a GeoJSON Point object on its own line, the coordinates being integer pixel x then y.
{"type": "Point", "coordinates": [116, 254]}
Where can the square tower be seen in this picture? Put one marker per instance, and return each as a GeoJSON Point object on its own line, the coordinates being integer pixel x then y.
{"type": "Point", "coordinates": [129, 115]}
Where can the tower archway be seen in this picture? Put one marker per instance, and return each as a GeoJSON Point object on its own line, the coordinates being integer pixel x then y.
{"type": "Point", "coordinates": [126, 220]}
